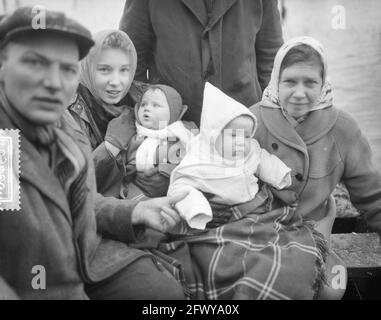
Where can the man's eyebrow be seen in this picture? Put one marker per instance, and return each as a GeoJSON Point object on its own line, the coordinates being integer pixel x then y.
{"type": "Point", "coordinates": [70, 64]}
{"type": "Point", "coordinates": [48, 60]}
{"type": "Point", "coordinates": [40, 56]}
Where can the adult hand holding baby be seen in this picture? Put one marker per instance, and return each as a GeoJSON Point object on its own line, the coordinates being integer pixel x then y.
{"type": "Point", "coordinates": [158, 213]}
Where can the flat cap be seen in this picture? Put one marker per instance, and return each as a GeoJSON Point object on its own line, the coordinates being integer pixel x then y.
{"type": "Point", "coordinates": [35, 19]}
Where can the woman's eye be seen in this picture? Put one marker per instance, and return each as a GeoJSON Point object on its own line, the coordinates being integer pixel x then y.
{"type": "Point", "coordinates": [125, 70]}
{"type": "Point", "coordinates": [103, 69]}
{"type": "Point", "coordinates": [311, 82]}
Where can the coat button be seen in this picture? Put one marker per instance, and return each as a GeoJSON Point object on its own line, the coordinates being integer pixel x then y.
{"type": "Point", "coordinates": [274, 146]}
{"type": "Point", "coordinates": [299, 177]}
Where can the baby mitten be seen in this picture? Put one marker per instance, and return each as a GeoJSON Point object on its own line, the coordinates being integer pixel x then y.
{"type": "Point", "coordinates": [121, 129]}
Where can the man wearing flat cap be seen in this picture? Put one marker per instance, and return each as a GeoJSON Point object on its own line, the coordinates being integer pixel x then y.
{"type": "Point", "coordinates": [78, 237]}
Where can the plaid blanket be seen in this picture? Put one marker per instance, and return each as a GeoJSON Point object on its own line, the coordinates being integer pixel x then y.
{"type": "Point", "coordinates": [258, 254]}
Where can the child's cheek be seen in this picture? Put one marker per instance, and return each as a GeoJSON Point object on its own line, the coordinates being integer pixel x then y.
{"type": "Point", "coordinates": [218, 145]}
{"type": "Point", "coordinates": [247, 147]}
{"type": "Point", "coordinates": [230, 146]}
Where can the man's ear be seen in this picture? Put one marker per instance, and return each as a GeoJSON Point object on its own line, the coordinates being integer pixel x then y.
{"type": "Point", "coordinates": [183, 111]}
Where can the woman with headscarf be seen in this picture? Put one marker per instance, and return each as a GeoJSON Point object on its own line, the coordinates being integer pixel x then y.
{"type": "Point", "coordinates": [277, 245]}
{"type": "Point", "coordinates": [106, 82]}
{"type": "Point", "coordinates": [298, 122]}
{"type": "Point", "coordinates": [254, 245]}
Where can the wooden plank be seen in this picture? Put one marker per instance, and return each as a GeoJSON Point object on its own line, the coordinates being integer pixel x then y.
{"type": "Point", "coordinates": [358, 250]}
{"type": "Point", "coordinates": [361, 253]}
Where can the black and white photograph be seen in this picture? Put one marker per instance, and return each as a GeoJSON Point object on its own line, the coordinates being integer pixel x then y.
{"type": "Point", "coordinates": [189, 151]}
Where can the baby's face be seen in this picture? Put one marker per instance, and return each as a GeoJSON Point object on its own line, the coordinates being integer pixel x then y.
{"type": "Point", "coordinates": [154, 110]}
{"type": "Point", "coordinates": [235, 141]}
{"type": "Point", "coordinates": [299, 88]}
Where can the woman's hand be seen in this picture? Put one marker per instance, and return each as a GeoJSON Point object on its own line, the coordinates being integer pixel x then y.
{"type": "Point", "coordinates": [121, 129]}
{"type": "Point", "coordinates": [324, 226]}
{"type": "Point", "coordinates": [158, 213]}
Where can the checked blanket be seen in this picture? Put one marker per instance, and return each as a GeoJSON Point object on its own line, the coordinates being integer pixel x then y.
{"type": "Point", "coordinates": [255, 255]}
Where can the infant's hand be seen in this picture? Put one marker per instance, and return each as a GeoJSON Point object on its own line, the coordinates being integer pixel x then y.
{"type": "Point", "coordinates": [151, 172]}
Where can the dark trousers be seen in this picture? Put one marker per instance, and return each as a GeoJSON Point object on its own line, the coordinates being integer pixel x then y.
{"type": "Point", "coordinates": [141, 280]}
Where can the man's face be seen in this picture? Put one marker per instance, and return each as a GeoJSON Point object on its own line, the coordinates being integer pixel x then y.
{"type": "Point", "coordinates": [40, 75]}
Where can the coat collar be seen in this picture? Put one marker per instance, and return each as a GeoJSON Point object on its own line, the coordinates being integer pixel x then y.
{"type": "Point", "coordinates": [199, 10]}
{"type": "Point", "coordinates": [42, 178]}
{"type": "Point", "coordinates": [316, 125]}
{"type": "Point", "coordinates": [32, 169]}
{"type": "Point", "coordinates": [77, 107]}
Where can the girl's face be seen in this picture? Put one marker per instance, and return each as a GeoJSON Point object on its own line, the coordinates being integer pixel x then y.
{"type": "Point", "coordinates": [234, 142]}
{"type": "Point", "coordinates": [112, 75]}
{"type": "Point", "coordinates": [299, 88]}
{"type": "Point", "coordinates": [154, 110]}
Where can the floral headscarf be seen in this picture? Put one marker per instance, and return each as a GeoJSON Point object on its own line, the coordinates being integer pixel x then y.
{"type": "Point", "coordinates": [88, 66]}
{"type": "Point", "coordinates": [270, 96]}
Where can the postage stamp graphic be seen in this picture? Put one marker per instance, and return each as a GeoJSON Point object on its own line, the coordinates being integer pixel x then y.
{"type": "Point", "coordinates": [9, 169]}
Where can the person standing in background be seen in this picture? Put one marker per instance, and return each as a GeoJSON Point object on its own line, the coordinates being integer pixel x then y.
{"type": "Point", "coordinates": [229, 43]}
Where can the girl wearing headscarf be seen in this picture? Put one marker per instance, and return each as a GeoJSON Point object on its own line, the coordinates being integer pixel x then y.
{"type": "Point", "coordinates": [298, 122]}
{"type": "Point", "coordinates": [106, 91]}
{"type": "Point", "coordinates": [103, 109]}
{"type": "Point", "coordinates": [106, 77]}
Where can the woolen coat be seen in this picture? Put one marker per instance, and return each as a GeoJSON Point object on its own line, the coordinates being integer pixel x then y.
{"type": "Point", "coordinates": [44, 233]}
{"type": "Point", "coordinates": [324, 149]}
{"type": "Point", "coordinates": [180, 45]}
